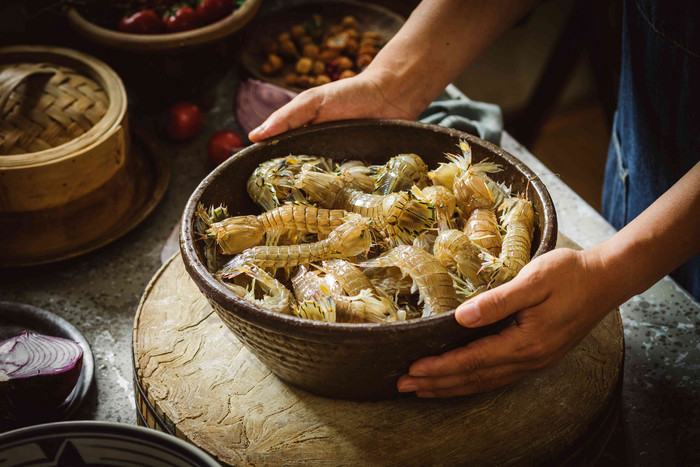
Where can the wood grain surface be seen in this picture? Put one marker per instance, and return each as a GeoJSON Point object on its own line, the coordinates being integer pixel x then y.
{"type": "Point", "coordinates": [209, 389]}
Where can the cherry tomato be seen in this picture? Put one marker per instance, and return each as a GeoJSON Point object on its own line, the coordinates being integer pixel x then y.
{"type": "Point", "coordinates": [211, 10]}
{"type": "Point", "coordinates": [141, 22]}
{"type": "Point", "coordinates": [222, 145]}
{"type": "Point", "coordinates": [181, 18]}
{"type": "Point", "coordinates": [186, 120]}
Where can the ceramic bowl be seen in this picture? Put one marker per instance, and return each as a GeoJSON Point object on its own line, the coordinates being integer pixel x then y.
{"type": "Point", "coordinates": [352, 361]}
{"type": "Point", "coordinates": [98, 443]}
{"type": "Point", "coordinates": [166, 42]}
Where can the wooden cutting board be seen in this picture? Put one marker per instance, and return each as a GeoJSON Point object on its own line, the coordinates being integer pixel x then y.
{"type": "Point", "coordinates": [194, 379]}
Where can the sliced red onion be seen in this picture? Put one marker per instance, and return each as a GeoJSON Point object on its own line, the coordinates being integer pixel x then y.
{"type": "Point", "coordinates": [256, 100]}
{"type": "Point", "coordinates": [37, 373]}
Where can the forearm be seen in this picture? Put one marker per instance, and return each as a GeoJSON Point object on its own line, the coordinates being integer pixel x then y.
{"type": "Point", "coordinates": [659, 240]}
{"type": "Point", "coordinates": [440, 38]}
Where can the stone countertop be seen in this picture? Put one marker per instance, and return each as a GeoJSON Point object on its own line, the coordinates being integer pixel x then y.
{"type": "Point", "coordinates": [100, 291]}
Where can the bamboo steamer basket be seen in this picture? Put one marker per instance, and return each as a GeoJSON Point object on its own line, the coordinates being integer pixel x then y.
{"type": "Point", "coordinates": [165, 42]}
{"type": "Point", "coordinates": [65, 165]}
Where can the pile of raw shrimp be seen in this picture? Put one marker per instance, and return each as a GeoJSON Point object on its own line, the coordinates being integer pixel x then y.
{"type": "Point", "coordinates": [369, 244]}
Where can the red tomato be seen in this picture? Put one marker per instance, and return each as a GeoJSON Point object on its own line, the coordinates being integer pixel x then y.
{"type": "Point", "coordinates": [222, 145]}
{"type": "Point", "coordinates": [185, 121]}
{"type": "Point", "coordinates": [211, 10]}
{"type": "Point", "coordinates": [181, 18]}
{"type": "Point", "coordinates": [141, 22]}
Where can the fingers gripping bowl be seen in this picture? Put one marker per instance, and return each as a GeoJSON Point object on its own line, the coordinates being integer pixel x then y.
{"type": "Point", "coordinates": [352, 361]}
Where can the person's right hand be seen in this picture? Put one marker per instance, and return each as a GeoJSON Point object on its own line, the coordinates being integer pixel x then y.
{"type": "Point", "coordinates": [438, 40]}
{"type": "Point", "coordinates": [361, 96]}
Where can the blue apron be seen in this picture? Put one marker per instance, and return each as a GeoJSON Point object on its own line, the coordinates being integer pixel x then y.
{"type": "Point", "coordinates": [656, 133]}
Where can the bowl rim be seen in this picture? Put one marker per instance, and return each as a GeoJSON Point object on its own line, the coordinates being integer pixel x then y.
{"type": "Point", "coordinates": [273, 321]}
{"type": "Point", "coordinates": [164, 41]}
{"type": "Point", "coordinates": [167, 441]}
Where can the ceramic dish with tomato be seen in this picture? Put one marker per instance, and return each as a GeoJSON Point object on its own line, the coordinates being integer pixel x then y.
{"type": "Point", "coordinates": [158, 16]}
{"type": "Point", "coordinates": [160, 25]}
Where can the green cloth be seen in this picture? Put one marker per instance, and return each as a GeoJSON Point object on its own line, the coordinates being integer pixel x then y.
{"type": "Point", "coordinates": [455, 110]}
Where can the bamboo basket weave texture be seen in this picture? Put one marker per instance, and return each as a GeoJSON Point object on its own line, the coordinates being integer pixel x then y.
{"type": "Point", "coordinates": [54, 106]}
{"type": "Point", "coordinates": [67, 172]}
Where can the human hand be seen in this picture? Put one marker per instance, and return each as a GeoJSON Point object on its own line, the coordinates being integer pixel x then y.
{"type": "Point", "coordinates": [361, 96]}
{"type": "Point", "coordinates": [557, 299]}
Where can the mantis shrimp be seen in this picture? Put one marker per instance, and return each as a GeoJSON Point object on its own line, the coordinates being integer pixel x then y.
{"type": "Point", "coordinates": [519, 220]}
{"type": "Point", "coordinates": [205, 218]}
{"type": "Point", "coordinates": [482, 229]}
{"type": "Point", "coordinates": [469, 182]}
{"type": "Point", "coordinates": [350, 280]}
{"type": "Point", "coordinates": [273, 180]}
{"type": "Point", "coordinates": [441, 243]}
{"type": "Point", "coordinates": [446, 173]}
{"type": "Point", "coordinates": [356, 175]}
{"type": "Point", "coordinates": [235, 234]}
{"type": "Point", "coordinates": [317, 309]}
{"type": "Point", "coordinates": [454, 250]}
{"type": "Point", "coordinates": [471, 187]}
{"type": "Point", "coordinates": [352, 238]}
{"type": "Point", "coordinates": [312, 289]}
{"type": "Point", "coordinates": [401, 173]}
{"type": "Point", "coordinates": [275, 296]}
{"type": "Point", "coordinates": [400, 216]}
{"type": "Point", "coordinates": [445, 205]}
{"type": "Point", "coordinates": [390, 281]}
{"type": "Point", "coordinates": [430, 277]}
{"type": "Point", "coordinates": [500, 192]}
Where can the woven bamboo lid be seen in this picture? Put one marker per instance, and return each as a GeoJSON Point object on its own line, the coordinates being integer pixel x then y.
{"type": "Point", "coordinates": [54, 102]}
{"type": "Point", "coordinates": [63, 126]}
{"type": "Point", "coordinates": [70, 178]}
{"type": "Point", "coordinates": [46, 105]}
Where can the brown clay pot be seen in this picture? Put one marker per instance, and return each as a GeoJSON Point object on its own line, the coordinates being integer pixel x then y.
{"type": "Point", "coordinates": [351, 361]}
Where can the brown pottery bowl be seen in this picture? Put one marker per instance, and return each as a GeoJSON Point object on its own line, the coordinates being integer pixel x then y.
{"type": "Point", "coordinates": [164, 42]}
{"type": "Point", "coordinates": [350, 361]}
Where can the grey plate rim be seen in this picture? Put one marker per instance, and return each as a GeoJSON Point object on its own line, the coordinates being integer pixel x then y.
{"type": "Point", "coordinates": [100, 429]}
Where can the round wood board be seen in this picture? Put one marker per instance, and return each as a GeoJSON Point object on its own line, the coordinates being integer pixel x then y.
{"type": "Point", "coordinates": [197, 381]}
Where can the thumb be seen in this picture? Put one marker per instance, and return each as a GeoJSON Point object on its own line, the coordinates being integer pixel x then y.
{"type": "Point", "coordinates": [299, 111]}
{"type": "Point", "coordinates": [497, 303]}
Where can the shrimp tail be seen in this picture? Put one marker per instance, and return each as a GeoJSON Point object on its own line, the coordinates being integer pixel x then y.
{"type": "Point", "coordinates": [319, 309]}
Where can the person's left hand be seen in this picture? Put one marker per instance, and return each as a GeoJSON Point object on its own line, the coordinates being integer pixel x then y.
{"type": "Point", "coordinates": [557, 299]}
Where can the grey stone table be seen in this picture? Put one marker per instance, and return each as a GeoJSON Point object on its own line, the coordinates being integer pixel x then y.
{"type": "Point", "coordinates": [100, 291]}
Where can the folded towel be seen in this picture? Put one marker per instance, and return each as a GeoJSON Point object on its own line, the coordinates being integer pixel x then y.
{"type": "Point", "coordinates": [455, 110]}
